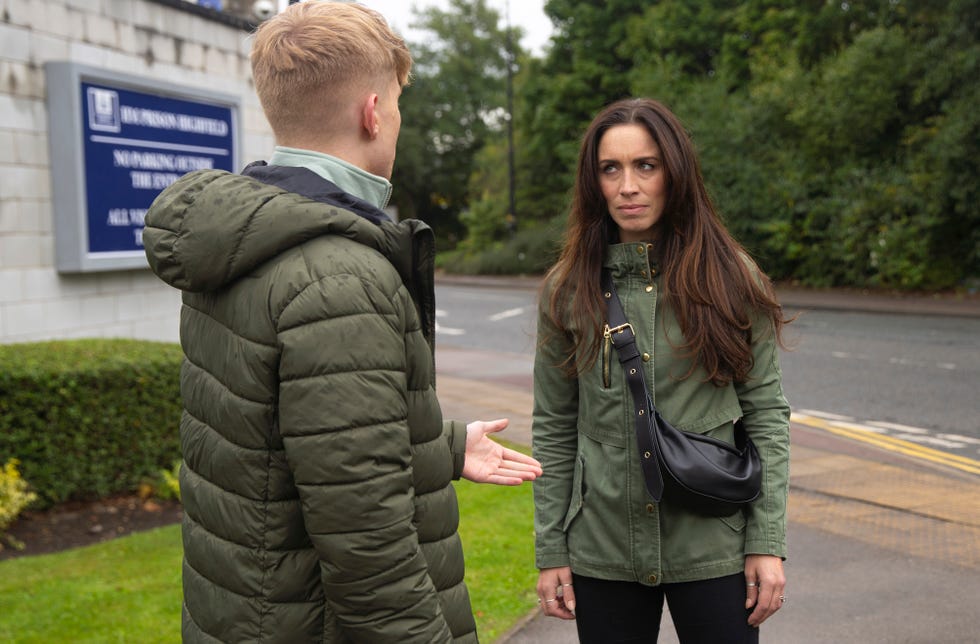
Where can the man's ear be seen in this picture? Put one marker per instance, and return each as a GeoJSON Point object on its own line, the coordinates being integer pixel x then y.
{"type": "Point", "coordinates": [369, 117]}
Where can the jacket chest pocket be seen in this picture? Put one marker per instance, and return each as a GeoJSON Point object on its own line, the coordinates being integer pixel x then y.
{"type": "Point", "coordinates": [604, 403]}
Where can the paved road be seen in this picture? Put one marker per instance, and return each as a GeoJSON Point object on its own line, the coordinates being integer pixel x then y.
{"type": "Point", "coordinates": [884, 546]}
{"type": "Point", "coordinates": [876, 371]}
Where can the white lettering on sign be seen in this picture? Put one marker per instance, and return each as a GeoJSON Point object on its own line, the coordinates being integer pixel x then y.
{"type": "Point", "coordinates": [162, 180]}
{"type": "Point", "coordinates": [152, 180]}
{"type": "Point", "coordinates": [117, 217]}
{"type": "Point", "coordinates": [138, 236]}
{"type": "Point", "coordinates": [169, 121]}
{"type": "Point", "coordinates": [159, 161]}
{"type": "Point", "coordinates": [126, 217]}
{"type": "Point", "coordinates": [142, 180]}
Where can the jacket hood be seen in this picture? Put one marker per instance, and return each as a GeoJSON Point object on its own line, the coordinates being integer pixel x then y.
{"type": "Point", "coordinates": [211, 227]}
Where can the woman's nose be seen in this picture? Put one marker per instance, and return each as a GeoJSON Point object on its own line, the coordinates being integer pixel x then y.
{"type": "Point", "coordinates": [628, 186]}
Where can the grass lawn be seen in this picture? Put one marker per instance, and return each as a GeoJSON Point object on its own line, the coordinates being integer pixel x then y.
{"type": "Point", "coordinates": [128, 589]}
{"type": "Point", "coordinates": [125, 590]}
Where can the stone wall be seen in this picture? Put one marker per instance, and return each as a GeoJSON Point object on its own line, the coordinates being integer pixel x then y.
{"type": "Point", "coordinates": [158, 39]}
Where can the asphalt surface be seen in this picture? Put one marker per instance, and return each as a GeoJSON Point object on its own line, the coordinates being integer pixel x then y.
{"type": "Point", "coordinates": [883, 546]}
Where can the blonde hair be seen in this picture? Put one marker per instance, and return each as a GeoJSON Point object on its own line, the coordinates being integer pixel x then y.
{"type": "Point", "coordinates": [310, 56]}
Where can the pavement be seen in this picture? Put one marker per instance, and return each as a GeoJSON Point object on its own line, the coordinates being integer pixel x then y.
{"type": "Point", "coordinates": [883, 546]}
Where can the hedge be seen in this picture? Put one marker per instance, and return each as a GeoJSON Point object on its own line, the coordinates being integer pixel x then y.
{"type": "Point", "coordinates": [89, 418]}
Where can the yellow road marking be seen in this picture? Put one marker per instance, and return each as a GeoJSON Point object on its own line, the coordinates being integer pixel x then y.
{"type": "Point", "coordinates": [891, 443]}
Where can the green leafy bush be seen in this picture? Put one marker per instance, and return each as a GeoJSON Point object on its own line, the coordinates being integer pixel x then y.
{"type": "Point", "coordinates": [164, 485]}
{"type": "Point", "coordinates": [89, 418]}
{"type": "Point", "coordinates": [15, 495]}
{"type": "Point", "coordinates": [529, 252]}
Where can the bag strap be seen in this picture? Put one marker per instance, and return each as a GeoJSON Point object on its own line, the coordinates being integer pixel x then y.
{"type": "Point", "coordinates": [620, 333]}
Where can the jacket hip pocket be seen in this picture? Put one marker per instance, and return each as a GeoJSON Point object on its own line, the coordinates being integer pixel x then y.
{"type": "Point", "coordinates": [575, 503]}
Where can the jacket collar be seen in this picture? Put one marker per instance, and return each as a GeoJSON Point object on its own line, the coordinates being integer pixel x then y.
{"type": "Point", "coordinates": [348, 177]}
{"type": "Point", "coordinates": [309, 184]}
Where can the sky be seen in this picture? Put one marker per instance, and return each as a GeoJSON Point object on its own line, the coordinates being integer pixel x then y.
{"type": "Point", "coordinates": [528, 14]}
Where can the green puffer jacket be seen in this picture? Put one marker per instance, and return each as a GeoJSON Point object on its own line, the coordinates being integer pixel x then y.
{"type": "Point", "coordinates": [592, 510]}
{"type": "Point", "coordinates": [316, 479]}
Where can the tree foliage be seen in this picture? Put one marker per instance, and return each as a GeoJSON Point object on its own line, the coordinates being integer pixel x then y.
{"type": "Point", "coordinates": [454, 107]}
{"type": "Point", "coordinates": [839, 139]}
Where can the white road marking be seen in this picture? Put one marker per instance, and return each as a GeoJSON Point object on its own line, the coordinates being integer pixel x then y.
{"type": "Point", "coordinates": [901, 428]}
{"type": "Point", "coordinates": [445, 330]}
{"type": "Point", "coordinates": [894, 430]}
{"type": "Point", "coordinates": [966, 440]}
{"type": "Point", "coordinates": [927, 440]}
{"type": "Point", "coordinates": [503, 315]}
{"type": "Point", "coordinates": [860, 428]}
{"type": "Point", "coordinates": [825, 415]}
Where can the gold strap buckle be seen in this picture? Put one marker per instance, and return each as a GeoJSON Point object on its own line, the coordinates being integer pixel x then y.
{"type": "Point", "coordinates": [607, 332]}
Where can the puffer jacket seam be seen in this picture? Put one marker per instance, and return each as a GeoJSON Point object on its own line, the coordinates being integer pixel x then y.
{"type": "Point", "coordinates": [225, 438]}
{"type": "Point", "coordinates": [338, 373]}
{"type": "Point", "coordinates": [337, 317]}
{"type": "Point", "coordinates": [313, 280]}
{"type": "Point", "coordinates": [236, 332]}
{"type": "Point", "coordinates": [348, 428]}
{"type": "Point", "coordinates": [223, 386]}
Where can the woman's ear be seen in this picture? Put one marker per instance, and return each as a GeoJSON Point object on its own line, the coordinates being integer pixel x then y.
{"type": "Point", "coordinates": [369, 117]}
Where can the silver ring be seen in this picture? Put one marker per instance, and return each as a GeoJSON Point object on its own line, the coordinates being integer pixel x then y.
{"type": "Point", "coordinates": [751, 584]}
{"type": "Point", "coordinates": [566, 585]}
{"type": "Point", "coordinates": [548, 601]}
{"type": "Point", "coordinates": [782, 598]}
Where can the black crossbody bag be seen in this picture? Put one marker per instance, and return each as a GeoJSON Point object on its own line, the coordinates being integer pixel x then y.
{"type": "Point", "coordinates": [701, 473]}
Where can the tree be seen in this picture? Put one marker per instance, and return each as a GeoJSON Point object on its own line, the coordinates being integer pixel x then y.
{"type": "Point", "coordinates": [454, 106]}
{"type": "Point", "coordinates": [582, 71]}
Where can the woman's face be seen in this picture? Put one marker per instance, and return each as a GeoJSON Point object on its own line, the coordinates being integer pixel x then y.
{"type": "Point", "coordinates": [631, 177]}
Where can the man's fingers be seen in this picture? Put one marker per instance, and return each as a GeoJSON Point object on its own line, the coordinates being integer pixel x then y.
{"type": "Point", "coordinates": [524, 475]}
{"type": "Point", "coordinates": [497, 425]}
{"type": "Point", "coordinates": [515, 466]}
{"type": "Point", "coordinates": [517, 457]}
{"type": "Point", "coordinates": [496, 479]}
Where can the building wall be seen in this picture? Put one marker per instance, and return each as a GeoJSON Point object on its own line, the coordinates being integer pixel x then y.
{"type": "Point", "coordinates": [150, 39]}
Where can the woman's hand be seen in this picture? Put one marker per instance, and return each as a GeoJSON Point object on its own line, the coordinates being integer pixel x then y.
{"type": "Point", "coordinates": [555, 592]}
{"type": "Point", "coordinates": [490, 462]}
{"type": "Point", "coordinates": [765, 587]}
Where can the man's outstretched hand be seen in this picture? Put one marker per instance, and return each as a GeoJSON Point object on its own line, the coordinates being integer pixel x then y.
{"type": "Point", "coordinates": [490, 462]}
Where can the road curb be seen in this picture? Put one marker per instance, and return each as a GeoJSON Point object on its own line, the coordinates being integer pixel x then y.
{"type": "Point", "coordinates": [791, 297]}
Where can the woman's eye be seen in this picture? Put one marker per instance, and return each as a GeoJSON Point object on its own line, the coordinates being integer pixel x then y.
{"type": "Point", "coordinates": [607, 169]}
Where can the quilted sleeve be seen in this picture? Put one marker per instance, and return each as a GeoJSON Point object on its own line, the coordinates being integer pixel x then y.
{"type": "Point", "coordinates": [343, 421]}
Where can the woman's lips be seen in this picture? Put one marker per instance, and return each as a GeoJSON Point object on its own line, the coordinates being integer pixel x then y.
{"type": "Point", "coordinates": [631, 209]}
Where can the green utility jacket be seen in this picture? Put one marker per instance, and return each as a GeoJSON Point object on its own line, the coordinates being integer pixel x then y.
{"type": "Point", "coordinates": [593, 512]}
{"type": "Point", "coordinates": [316, 477]}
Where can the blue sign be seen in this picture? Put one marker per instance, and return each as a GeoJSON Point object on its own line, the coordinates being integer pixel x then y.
{"type": "Point", "coordinates": [135, 145]}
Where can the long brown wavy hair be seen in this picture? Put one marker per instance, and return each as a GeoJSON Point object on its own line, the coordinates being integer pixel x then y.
{"type": "Point", "coordinates": [708, 280]}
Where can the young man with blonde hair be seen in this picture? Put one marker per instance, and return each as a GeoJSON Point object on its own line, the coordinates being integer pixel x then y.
{"type": "Point", "coordinates": [317, 469]}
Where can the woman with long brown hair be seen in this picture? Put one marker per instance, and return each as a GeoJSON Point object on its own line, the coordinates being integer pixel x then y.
{"type": "Point", "coordinates": [708, 325]}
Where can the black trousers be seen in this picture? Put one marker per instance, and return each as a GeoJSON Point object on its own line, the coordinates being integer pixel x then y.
{"type": "Point", "coordinates": [704, 612]}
